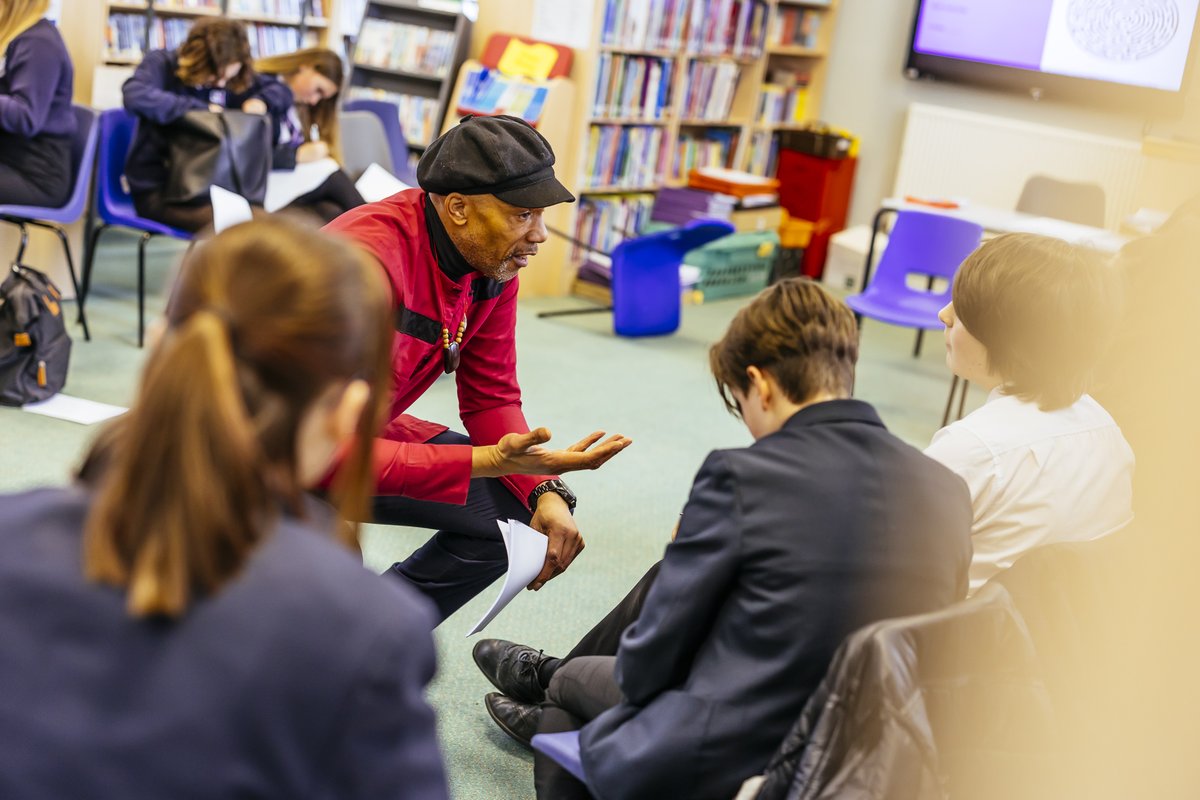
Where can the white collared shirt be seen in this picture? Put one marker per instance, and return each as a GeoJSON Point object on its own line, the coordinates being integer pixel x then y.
{"type": "Point", "coordinates": [1037, 477]}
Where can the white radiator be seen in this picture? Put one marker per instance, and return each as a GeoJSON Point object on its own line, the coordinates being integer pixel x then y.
{"type": "Point", "coordinates": [986, 159]}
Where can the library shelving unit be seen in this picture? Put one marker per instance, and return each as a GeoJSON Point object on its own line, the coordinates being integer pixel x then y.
{"type": "Point", "coordinates": [680, 84]}
{"type": "Point", "coordinates": [131, 27]}
{"type": "Point", "coordinates": [408, 52]}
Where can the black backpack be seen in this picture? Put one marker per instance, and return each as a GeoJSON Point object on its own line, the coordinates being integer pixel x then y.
{"type": "Point", "coordinates": [34, 346]}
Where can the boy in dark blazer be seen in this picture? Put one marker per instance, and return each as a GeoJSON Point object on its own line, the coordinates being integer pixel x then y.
{"type": "Point", "coordinates": [825, 524]}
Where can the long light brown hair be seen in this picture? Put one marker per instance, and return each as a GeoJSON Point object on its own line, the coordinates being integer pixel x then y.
{"type": "Point", "coordinates": [211, 46]}
{"type": "Point", "coordinates": [266, 318]}
{"type": "Point", "coordinates": [324, 114]}
{"type": "Point", "coordinates": [17, 16]}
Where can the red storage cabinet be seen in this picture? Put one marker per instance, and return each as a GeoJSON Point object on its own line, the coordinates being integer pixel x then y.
{"type": "Point", "coordinates": [818, 190]}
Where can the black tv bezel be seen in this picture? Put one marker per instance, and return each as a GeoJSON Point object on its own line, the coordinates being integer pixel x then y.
{"type": "Point", "coordinates": [1048, 86]}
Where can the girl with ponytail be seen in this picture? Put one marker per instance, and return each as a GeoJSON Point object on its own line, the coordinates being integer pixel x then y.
{"type": "Point", "coordinates": [189, 622]}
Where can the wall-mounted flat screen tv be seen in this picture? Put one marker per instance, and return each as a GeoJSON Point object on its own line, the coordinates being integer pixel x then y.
{"type": "Point", "coordinates": [1114, 52]}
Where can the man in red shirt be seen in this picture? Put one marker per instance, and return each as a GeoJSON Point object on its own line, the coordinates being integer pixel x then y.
{"type": "Point", "coordinates": [451, 251]}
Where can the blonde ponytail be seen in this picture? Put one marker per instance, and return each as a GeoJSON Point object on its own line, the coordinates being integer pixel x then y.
{"type": "Point", "coordinates": [18, 16]}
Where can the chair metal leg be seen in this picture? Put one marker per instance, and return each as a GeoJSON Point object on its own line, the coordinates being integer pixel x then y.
{"type": "Point", "coordinates": [89, 259]}
{"type": "Point", "coordinates": [141, 286]}
{"type": "Point", "coordinates": [24, 241]}
{"type": "Point", "coordinates": [62, 237]}
{"type": "Point", "coordinates": [917, 346]}
{"type": "Point", "coordinates": [962, 399]}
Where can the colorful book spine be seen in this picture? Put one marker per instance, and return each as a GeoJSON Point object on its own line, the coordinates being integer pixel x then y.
{"type": "Point", "coordinates": [624, 156]}
{"type": "Point", "coordinates": [418, 115]}
{"type": "Point", "coordinates": [635, 87]}
{"type": "Point", "coordinates": [710, 90]}
{"type": "Point", "coordinates": [644, 24]}
{"type": "Point", "coordinates": [402, 47]}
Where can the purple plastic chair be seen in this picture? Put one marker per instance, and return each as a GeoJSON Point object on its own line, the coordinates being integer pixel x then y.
{"type": "Point", "coordinates": [563, 748]}
{"type": "Point", "coordinates": [389, 115]}
{"type": "Point", "coordinates": [114, 205]}
{"type": "Point", "coordinates": [929, 245]}
{"type": "Point", "coordinates": [83, 156]}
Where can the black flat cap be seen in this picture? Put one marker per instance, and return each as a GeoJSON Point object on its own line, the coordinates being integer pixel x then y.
{"type": "Point", "coordinates": [501, 155]}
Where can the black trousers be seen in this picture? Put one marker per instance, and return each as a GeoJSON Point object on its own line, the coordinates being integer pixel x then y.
{"type": "Point", "coordinates": [583, 687]}
{"type": "Point", "coordinates": [467, 553]}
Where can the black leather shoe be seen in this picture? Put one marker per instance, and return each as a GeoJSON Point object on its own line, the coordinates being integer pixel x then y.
{"type": "Point", "coordinates": [512, 668]}
{"type": "Point", "coordinates": [518, 720]}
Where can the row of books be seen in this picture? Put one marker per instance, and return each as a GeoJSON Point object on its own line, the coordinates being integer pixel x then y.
{"type": "Point", "coordinates": [782, 104]}
{"type": "Point", "coordinates": [644, 24]}
{"type": "Point", "coordinates": [290, 9]}
{"type": "Point", "coordinates": [188, 5]}
{"type": "Point", "coordinates": [711, 149]}
{"type": "Point", "coordinates": [727, 27]}
{"type": "Point", "coordinates": [126, 33]}
{"type": "Point", "coordinates": [271, 40]}
{"type": "Point", "coordinates": [624, 156]}
{"type": "Point", "coordinates": [795, 27]}
{"type": "Point", "coordinates": [418, 115]}
{"type": "Point", "coordinates": [403, 47]}
{"type": "Point", "coordinates": [679, 206]}
{"type": "Point", "coordinates": [762, 155]}
{"type": "Point", "coordinates": [633, 86]}
{"type": "Point", "coordinates": [488, 91]}
{"type": "Point", "coordinates": [710, 90]}
{"type": "Point", "coordinates": [603, 223]}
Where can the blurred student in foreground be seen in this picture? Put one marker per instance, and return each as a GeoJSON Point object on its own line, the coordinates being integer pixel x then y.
{"type": "Point", "coordinates": [188, 622]}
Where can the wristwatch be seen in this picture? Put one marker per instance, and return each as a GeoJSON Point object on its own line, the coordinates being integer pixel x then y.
{"type": "Point", "coordinates": [556, 486]}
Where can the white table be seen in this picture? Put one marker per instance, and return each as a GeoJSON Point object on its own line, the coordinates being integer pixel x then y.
{"type": "Point", "coordinates": [1000, 220]}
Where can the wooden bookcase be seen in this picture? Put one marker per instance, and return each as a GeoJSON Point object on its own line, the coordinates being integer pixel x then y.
{"type": "Point", "coordinates": [409, 52]}
{"type": "Point", "coordinates": [131, 27]}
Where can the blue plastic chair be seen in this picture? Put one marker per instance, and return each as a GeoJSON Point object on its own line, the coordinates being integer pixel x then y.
{"type": "Point", "coordinates": [563, 748]}
{"type": "Point", "coordinates": [83, 157]}
{"type": "Point", "coordinates": [929, 245]}
{"type": "Point", "coordinates": [389, 115]}
{"type": "Point", "coordinates": [114, 205]}
{"type": "Point", "coordinates": [645, 277]}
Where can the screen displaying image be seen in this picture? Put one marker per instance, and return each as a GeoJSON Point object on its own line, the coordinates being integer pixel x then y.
{"type": "Point", "coordinates": [1135, 42]}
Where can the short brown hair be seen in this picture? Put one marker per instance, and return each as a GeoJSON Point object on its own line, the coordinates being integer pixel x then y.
{"type": "Point", "coordinates": [802, 335]}
{"type": "Point", "coordinates": [210, 47]}
{"type": "Point", "coordinates": [266, 317]}
{"type": "Point", "coordinates": [1043, 310]}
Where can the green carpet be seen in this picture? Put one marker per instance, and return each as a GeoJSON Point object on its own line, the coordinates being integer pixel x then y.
{"type": "Point", "coordinates": [578, 377]}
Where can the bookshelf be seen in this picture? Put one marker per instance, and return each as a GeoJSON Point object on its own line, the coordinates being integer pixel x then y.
{"type": "Point", "coordinates": [734, 73]}
{"type": "Point", "coordinates": [273, 26]}
{"type": "Point", "coordinates": [409, 53]}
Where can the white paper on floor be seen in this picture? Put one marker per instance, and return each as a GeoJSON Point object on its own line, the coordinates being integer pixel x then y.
{"type": "Point", "coordinates": [526, 556]}
{"type": "Point", "coordinates": [229, 209]}
{"type": "Point", "coordinates": [74, 409]}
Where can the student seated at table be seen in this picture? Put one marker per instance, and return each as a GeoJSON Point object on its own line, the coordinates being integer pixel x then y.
{"type": "Point", "coordinates": [309, 129]}
{"type": "Point", "coordinates": [36, 120]}
{"type": "Point", "coordinates": [188, 622]}
{"type": "Point", "coordinates": [1029, 319]}
{"type": "Point", "coordinates": [825, 523]}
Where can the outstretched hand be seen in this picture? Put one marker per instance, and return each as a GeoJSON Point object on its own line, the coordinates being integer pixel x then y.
{"type": "Point", "coordinates": [524, 454]}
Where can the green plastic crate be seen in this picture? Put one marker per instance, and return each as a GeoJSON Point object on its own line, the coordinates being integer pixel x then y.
{"type": "Point", "coordinates": [734, 265]}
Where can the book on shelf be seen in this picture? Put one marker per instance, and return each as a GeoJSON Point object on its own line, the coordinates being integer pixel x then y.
{"type": "Point", "coordinates": [276, 9]}
{"type": "Point", "coordinates": [763, 153]}
{"type": "Point", "coordinates": [270, 40]}
{"type": "Point", "coordinates": [727, 27]}
{"type": "Point", "coordinates": [636, 87]}
{"type": "Point", "coordinates": [624, 156]}
{"type": "Point", "coordinates": [604, 222]}
{"type": "Point", "coordinates": [403, 47]}
{"type": "Point", "coordinates": [182, 5]}
{"type": "Point", "coordinates": [713, 148]}
{"type": "Point", "coordinates": [710, 90]}
{"type": "Point", "coordinates": [795, 27]}
{"type": "Point", "coordinates": [488, 91]}
{"type": "Point", "coordinates": [644, 24]}
{"type": "Point", "coordinates": [418, 115]}
{"type": "Point", "coordinates": [782, 104]}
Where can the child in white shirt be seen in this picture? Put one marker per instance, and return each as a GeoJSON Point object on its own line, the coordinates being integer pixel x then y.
{"type": "Point", "coordinates": [1044, 462]}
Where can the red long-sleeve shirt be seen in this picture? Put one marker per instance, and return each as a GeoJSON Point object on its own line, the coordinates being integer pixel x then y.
{"type": "Point", "coordinates": [426, 299]}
